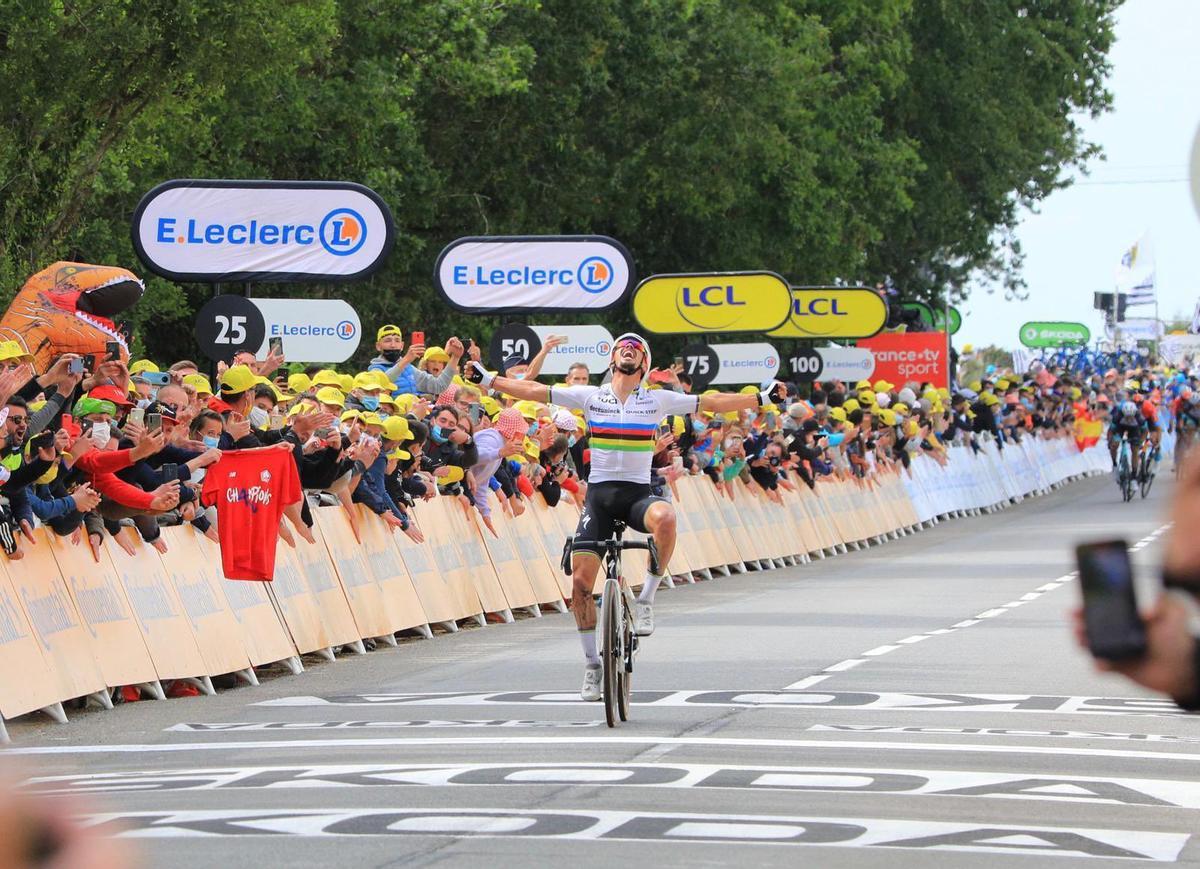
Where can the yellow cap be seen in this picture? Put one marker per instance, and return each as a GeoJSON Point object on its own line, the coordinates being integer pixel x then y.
{"type": "Point", "coordinates": [382, 380]}
{"type": "Point", "coordinates": [989, 399]}
{"type": "Point", "coordinates": [345, 382]}
{"type": "Point", "coordinates": [850, 405]}
{"type": "Point", "coordinates": [349, 415]}
{"type": "Point", "coordinates": [887, 416]}
{"type": "Point", "coordinates": [395, 428]}
{"type": "Point", "coordinates": [838, 413]}
{"type": "Point", "coordinates": [900, 407]}
{"type": "Point", "coordinates": [280, 395]}
{"type": "Point", "coordinates": [143, 365]}
{"type": "Point", "coordinates": [453, 474]}
{"type": "Point", "coordinates": [372, 419]}
{"type": "Point", "coordinates": [748, 390]}
{"type": "Point", "coordinates": [384, 331]}
{"type": "Point", "coordinates": [1002, 385]}
{"type": "Point", "coordinates": [298, 383]}
{"type": "Point", "coordinates": [199, 383]}
{"type": "Point", "coordinates": [238, 378]}
{"type": "Point", "coordinates": [14, 350]}
{"type": "Point", "coordinates": [968, 348]}
{"type": "Point", "coordinates": [329, 395]}
{"type": "Point", "coordinates": [366, 380]}
{"type": "Point", "coordinates": [528, 409]}
{"type": "Point", "coordinates": [490, 406]}
{"type": "Point", "coordinates": [532, 450]}
{"type": "Point", "coordinates": [866, 398]}
{"type": "Point", "coordinates": [884, 386]}
{"type": "Point", "coordinates": [399, 454]}
{"type": "Point", "coordinates": [862, 384]}
{"type": "Point", "coordinates": [435, 354]}
{"type": "Point", "coordinates": [975, 386]}
{"type": "Point", "coordinates": [327, 377]}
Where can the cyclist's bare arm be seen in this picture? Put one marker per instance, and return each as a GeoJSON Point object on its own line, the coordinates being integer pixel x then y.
{"type": "Point", "coordinates": [525, 390]}
{"type": "Point", "coordinates": [723, 402]}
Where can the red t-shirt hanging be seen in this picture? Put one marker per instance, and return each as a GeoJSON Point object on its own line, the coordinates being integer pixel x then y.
{"type": "Point", "coordinates": [250, 489]}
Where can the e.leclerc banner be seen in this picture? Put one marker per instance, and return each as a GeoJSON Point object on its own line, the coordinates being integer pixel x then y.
{"type": "Point", "coordinates": [591, 345]}
{"type": "Point", "coordinates": [216, 230]}
{"type": "Point", "coordinates": [714, 302]}
{"type": "Point", "coordinates": [312, 330]}
{"type": "Point", "coordinates": [901, 357]}
{"type": "Point", "coordinates": [833, 312]}
{"type": "Point", "coordinates": [526, 274]}
{"type": "Point", "coordinates": [1054, 334]}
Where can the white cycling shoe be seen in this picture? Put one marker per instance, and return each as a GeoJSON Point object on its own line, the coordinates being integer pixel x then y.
{"type": "Point", "coordinates": [591, 683]}
{"type": "Point", "coordinates": [643, 619]}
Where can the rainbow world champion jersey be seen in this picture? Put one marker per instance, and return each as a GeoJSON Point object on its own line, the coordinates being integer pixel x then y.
{"type": "Point", "coordinates": [622, 436]}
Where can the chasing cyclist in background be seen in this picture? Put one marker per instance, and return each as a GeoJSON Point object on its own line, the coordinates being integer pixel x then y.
{"type": "Point", "coordinates": [622, 420]}
{"type": "Point", "coordinates": [1127, 421]}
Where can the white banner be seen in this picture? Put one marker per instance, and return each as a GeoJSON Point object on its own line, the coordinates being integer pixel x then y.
{"type": "Point", "coordinates": [1138, 329]}
{"type": "Point", "coordinates": [591, 345]}
{"type": "Point", "coordinates": [312, 330]}
{"type": "Point", "coordinates": [1135, 272]}
{"type": "Point", "coordinates": [846, 363]}
{"type": "Point", "coordinates": [745, 363]}
{"type": "Point", "coordinates": [531, 273]}
{"type": "Point", "coordinates": [262, 230]}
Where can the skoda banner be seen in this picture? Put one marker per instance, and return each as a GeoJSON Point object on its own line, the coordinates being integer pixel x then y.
{"type": "Point", "coordinates": [745, 363]}
{"type": "Point", "coordinates": [214, 231]}
{"type": "Point", "coordinates": [591, 345]}
{"type": "Point", "coordinates": [833, 312]}
{"type": "Point", "coordinates": [1054, 334]}
{"type": "Point", "coordinates": [718, 302]}
{"type": "Point", "coordinates": [525, 274]}
{"type": "Point", "coordinates": [312, 330]}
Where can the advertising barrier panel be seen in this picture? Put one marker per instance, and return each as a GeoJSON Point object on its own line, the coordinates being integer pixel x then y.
{"type": "Point", "coordinates": [833, 312]}
{"type": "Point", "coordinates": [745, 363]}
{"type": "Point", "coordinates": [1055, 334]}
{"type": "Point", "coordinates": [528, 273]}
{"type": "Point", "coordinates": [916, 356]}
{"type": "Point", "coordinates": [219, 230]}
{"type": "Point", "coordinates": [717, 302]}
{"type": "Point", "coordinates": [312, 330]}
{"type": "Point", "coordinates": [591, 345]}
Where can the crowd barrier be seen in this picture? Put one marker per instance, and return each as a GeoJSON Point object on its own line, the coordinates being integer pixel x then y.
{"type": "Point", "coordinates": [74, 628]}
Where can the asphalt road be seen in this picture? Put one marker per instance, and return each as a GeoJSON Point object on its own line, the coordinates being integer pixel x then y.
{"type": "Point", "coordinates": [919, 703]}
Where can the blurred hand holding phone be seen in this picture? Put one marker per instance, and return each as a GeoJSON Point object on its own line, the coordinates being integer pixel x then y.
{"type": "Point", "coordinates": [1112, 624]}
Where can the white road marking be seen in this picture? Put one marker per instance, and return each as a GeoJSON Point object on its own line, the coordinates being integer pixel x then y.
{"type": "Point", "coordinates": [718, 742]}
{"type": "Point", "coordinates": [807, 682]}
{"type": "Point", "coordinates": [879, 650]}
{"type": "Point", "coordinates": [845, 665]}
{"type": "Point", "coordinates": [992, 613]}
{"type": "Point", "coordinates": [916, 638]}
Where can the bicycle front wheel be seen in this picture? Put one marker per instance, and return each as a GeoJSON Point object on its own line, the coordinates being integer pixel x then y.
{"type": "Point", "coordinates": [625, 675]}
{"type": "Point", "coordinates": [611, 658]}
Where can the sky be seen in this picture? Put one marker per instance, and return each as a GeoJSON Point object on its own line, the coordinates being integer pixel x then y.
{"type": "Point", "coordinates": [1076, 239]}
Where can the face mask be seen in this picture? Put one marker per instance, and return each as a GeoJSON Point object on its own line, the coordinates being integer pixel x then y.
{"type": "Point", "coordinates": [518, 376]}
{"type": "Point", "coordinates": [439, 434]}
{"type": "Point", "coordinates": [259, 417]}
{"type": "Point", "coordinates": [101, 433]}
{"type": "Point", "coordinates": [392, 356]}
{"type": "Point", "coordinates": [571, 440]}
{"type": "Point", "coordinates": [699, 427]}
{"type": "Point", "coordinates": [532, 430]}
{"type": "Point", "coordinates": [144, 403]}
{"type": "Point", "coordinates": [211, 442]}
{"type": "Point", "coordinates": [370, 402]}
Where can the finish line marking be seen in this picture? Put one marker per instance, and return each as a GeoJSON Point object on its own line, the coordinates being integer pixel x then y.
{"type": "Point", "coordinates": [879, 651]}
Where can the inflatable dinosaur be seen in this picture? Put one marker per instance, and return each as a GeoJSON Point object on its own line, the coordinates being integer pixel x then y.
{"type": "Point", "coordinates": [68, 308]}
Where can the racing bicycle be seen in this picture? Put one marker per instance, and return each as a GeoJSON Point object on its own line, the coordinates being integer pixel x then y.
{"type": "Point", "coordinates": [618, 642]}
{"type": "Point", "coordinates": [1146, 466]}
{"type": "Point", "coordinates": [1124, 469]}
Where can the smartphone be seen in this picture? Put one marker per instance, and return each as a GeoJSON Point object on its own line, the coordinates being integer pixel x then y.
{"type": "Point", "coordinates": [275, 346]}
{"type": "Point", "coordinates": [678, 361]}
{"type": "Point", "coordinates": [475, 412]}
{"type": "Point", "coordinates": [41, 440]}
{"type": "Point", "coordinates": [169, 471]}
{"type": "Point", "coordinates": [1114, 627]}
{"type": "Point", "coordinates": [467, 345]}
{"type": "Point", "coordinates": [153, 422]}
{"type": "Point", "coordinates": [660, 376]}
{"type": "Point", "coordinates": [156, 378]}
{"type": "Point", "coordinates": [417, 338]}
{"type": "Point", "coordinates": [276, 421]}
{"type": "Point", "coordinates": [138, 415]}
{"type": "Point", "coordinates": [75, 367]}
{"type": "Point", "coordinates": [112, 350]}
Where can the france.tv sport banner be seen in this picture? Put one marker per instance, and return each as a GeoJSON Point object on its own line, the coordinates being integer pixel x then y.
{"type": "Point", "coordinates": [214, 230]}
{"type": "Point", "coordinates": [527, 274]}
{"type": "Point", "coordinates": [901, 357]}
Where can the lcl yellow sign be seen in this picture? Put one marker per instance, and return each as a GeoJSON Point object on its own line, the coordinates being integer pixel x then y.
{"type": "Point", "coordinates": [834, 312]}
{"type": "Point", "coordinates": [717, 302]}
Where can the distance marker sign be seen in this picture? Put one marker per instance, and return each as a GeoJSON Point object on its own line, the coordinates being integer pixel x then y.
{"type": "Point", "coordinates": [228, 324]}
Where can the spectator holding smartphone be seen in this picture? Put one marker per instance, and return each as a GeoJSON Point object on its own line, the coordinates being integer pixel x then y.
{"type": "Point", "coordinates": [397, 364]}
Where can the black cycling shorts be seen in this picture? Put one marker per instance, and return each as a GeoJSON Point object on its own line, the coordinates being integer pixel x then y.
{"type": "Point", "coordinates": [606, 502]}
{"type": "Point", "coordinates": [1134, 432]}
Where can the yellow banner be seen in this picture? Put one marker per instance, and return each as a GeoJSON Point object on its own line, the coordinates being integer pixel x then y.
{"type": "Point", "coordinates": [700, 303]}
{"type": "Point", "coordinates": [834, 312]}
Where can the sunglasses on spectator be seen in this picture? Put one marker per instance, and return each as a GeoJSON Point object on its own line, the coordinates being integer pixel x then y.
{"type": "Point", "coordinates": [18, 420]}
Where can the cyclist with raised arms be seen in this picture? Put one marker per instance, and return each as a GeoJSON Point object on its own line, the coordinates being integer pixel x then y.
{"type": "Point", "coordinates": [622, 418]}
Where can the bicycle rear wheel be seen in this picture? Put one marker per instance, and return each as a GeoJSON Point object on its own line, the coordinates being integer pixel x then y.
{"type": "Point", "coordinates": [610, 651]}
{"type": "Point", "coordinates": [1147, 476]}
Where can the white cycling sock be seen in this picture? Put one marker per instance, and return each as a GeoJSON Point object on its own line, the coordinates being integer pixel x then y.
{"type": "Point", "coordinates": [648, 589]}
{"type": "Point", "coordinates": [588, 638]}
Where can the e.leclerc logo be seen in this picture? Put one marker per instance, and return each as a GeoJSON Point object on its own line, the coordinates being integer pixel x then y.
{"type": "Point", "coordinates": [341, 232]}
{"type": "Point", "coordinates": [345, 330]}
{"type": "Point", "coordinates": [593, 275]}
